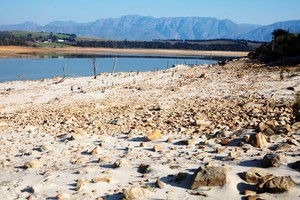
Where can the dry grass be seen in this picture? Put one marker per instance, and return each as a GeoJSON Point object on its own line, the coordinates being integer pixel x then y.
{"type": "Point", "coordinates": [16, 51]}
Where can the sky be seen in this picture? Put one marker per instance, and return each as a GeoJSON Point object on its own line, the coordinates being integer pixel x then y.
{"type": "Point", "coordinates": [261, 12]}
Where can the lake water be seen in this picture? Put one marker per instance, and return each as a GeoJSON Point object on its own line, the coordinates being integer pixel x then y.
{"type": "Point", "coordinates": [31, 68]}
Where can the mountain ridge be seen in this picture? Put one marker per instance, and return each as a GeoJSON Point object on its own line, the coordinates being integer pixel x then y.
{"type": "Point", "coordinates": [136, 27]}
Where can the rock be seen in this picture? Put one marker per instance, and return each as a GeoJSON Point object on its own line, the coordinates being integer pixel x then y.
{"type": "Point", "coordinates": [96, 151]}
{"type": "Point", "coordinates": [209, 176]}
{"type": "Point", "coordinates": [159, 184]}
{"type": "Point", "coordinates": [296, 126]}
{"type": "Point", "coordinates": [225, 141]}
{"type": "Point", "coordinates": [253, 175]}
{"type": "Point", "coordinates": [293, 142]}
{"type": "Point", "coordinates": [295, 165]}
{"type": "Point", "coordinates": [144, 169]}
{"type": "Point", "coordinates": [41, 187]}
{"type": "Point", "coordinates": [268, 132]}
{"type": "Point", "coordinates": [170, 140]}
{"type": "Point", "coordinates": [102, 179]}
{"type": "Point", "coordinates": [205, 76]}
{"type": "Point", "coordinates": [187, 142]}
{"type": "Point", "coordinates": [252, 105]}
{"type": "Point", "coordinates": [258, 140]}
{"type": "Point", "coordinates": [29, 129]}
{"type": "Point", "coordinates": [121, 163]}
{"type": "Point", "coordinates": [78, 134]}
{"type": "Point", "coordinates": [249, 192]}
{"type": "Point", "coordinates": [136, 193]}
{"type": "Point", "coordinates": [88, 169]}
{"type": "Point", "coordinates": [142, 144]}
{"type": "Point", "coordinates": [273, 184]}
{"type": "Point", "coordinates": [81, 184]}
{"type": "Point", "coordinates": [222, 134]}
{"type": "Point", "coordinates": [119, 121]}
{"type": "Point", "coordinates": [33, 164]}
{"type": "Point", "coordinates": [204, 123]}
{"type": "Point", "coordinates": [154, 135]}
{"type": "Point", "coordinates": [181, 176]}
{"type": "Point", "coordinates": [157, 148]}
{"type": "Point", "coordinates": [61, 196]}
{"type": "Point", "coordinates": [273, 160]}
{"type": "Point", "coordinates": [252, 197]}
{"type": "Point", "coordinates": [255, 110]}
{"type": "Point", "coordinates": [282, 129]}
{"type": "Point", "coordinates": [283, 147]}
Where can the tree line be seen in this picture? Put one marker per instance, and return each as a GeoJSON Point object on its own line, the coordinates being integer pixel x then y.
{"type": "Point", "coordinates": [283, 44]}
{"type": "Point", "coordinates": [71, 39]}
{"type": "Point", "coordinates": [161, 44]}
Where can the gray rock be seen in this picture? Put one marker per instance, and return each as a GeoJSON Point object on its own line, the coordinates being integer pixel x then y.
{"type": "Point", "coordinates": [121, 163]}
{"type": "Point", "coordinates": [144, 169]}
{"type": "Point", "coordinates": [209, 176]}
{"type": "Point", "coordinates": [181, 176]}
{"type": "Point", "coordinates": [273, 160]}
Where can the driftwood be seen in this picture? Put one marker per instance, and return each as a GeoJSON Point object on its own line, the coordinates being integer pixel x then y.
{"type": "Point", "coordinates": [114, 67]}
{"type": "Point", "coordinates": [21, 77]}
{"type": "Point", "coordinates": [63, 78]}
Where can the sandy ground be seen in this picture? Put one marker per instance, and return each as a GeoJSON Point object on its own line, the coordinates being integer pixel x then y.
{"type": "Point", "coordinates": [15, 51]}
{"type": "Point", "coordinates": [49, 130]}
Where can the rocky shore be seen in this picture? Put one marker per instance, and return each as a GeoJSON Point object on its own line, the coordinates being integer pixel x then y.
{"type": "Point", "coordinates": [201, 132]}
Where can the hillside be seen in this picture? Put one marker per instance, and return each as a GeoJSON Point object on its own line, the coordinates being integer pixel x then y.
{"type": "Point", "coordinates": [134, 27]}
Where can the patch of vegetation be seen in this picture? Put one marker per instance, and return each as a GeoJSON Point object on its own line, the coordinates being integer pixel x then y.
{"type": "Point", "coordinates": [51, 45]}
{"type": "Point", "coordinates": [42, 39]}
{"type": "Point", "coordinates": [284, 44]}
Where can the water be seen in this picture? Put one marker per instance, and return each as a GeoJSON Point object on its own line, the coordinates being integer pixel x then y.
{"type": "Point", "coordinates": [31, 68]}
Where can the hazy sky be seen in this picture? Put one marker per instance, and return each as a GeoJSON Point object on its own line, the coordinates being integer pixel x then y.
{"type": "Point", "coordinates": [240, 11]}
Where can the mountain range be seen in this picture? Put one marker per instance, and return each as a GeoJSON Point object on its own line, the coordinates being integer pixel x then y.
{"type": "Point", "coordinates": [135, 27]}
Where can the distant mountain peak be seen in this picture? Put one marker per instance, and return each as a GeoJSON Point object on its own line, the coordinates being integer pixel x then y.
{"type": "Point", "coordinates": [136, 27]}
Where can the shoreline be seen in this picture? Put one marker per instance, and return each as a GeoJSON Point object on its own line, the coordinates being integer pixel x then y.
{"type": "Point", "coordinates": [33, 52]}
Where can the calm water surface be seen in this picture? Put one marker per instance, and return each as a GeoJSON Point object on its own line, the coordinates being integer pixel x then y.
{"type": "Point", "coordinates": [40, 68]}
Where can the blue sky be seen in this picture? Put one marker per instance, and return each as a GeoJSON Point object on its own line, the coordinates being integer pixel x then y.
{"type": "Point", "coordinates": [240, 11]}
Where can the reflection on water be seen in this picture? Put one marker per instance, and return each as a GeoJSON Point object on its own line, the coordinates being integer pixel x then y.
{"type": "Point", "coordinates": [32, 68]}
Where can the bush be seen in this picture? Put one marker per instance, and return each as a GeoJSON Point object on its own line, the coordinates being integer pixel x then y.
{"type": "Point", "coordinates": [296, 107]}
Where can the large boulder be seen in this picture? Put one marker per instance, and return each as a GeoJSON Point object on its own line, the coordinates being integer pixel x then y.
{"type": "Point", "coordinates": [275, 184]}
{"type": "Point", "coordinates": [209, 176]}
